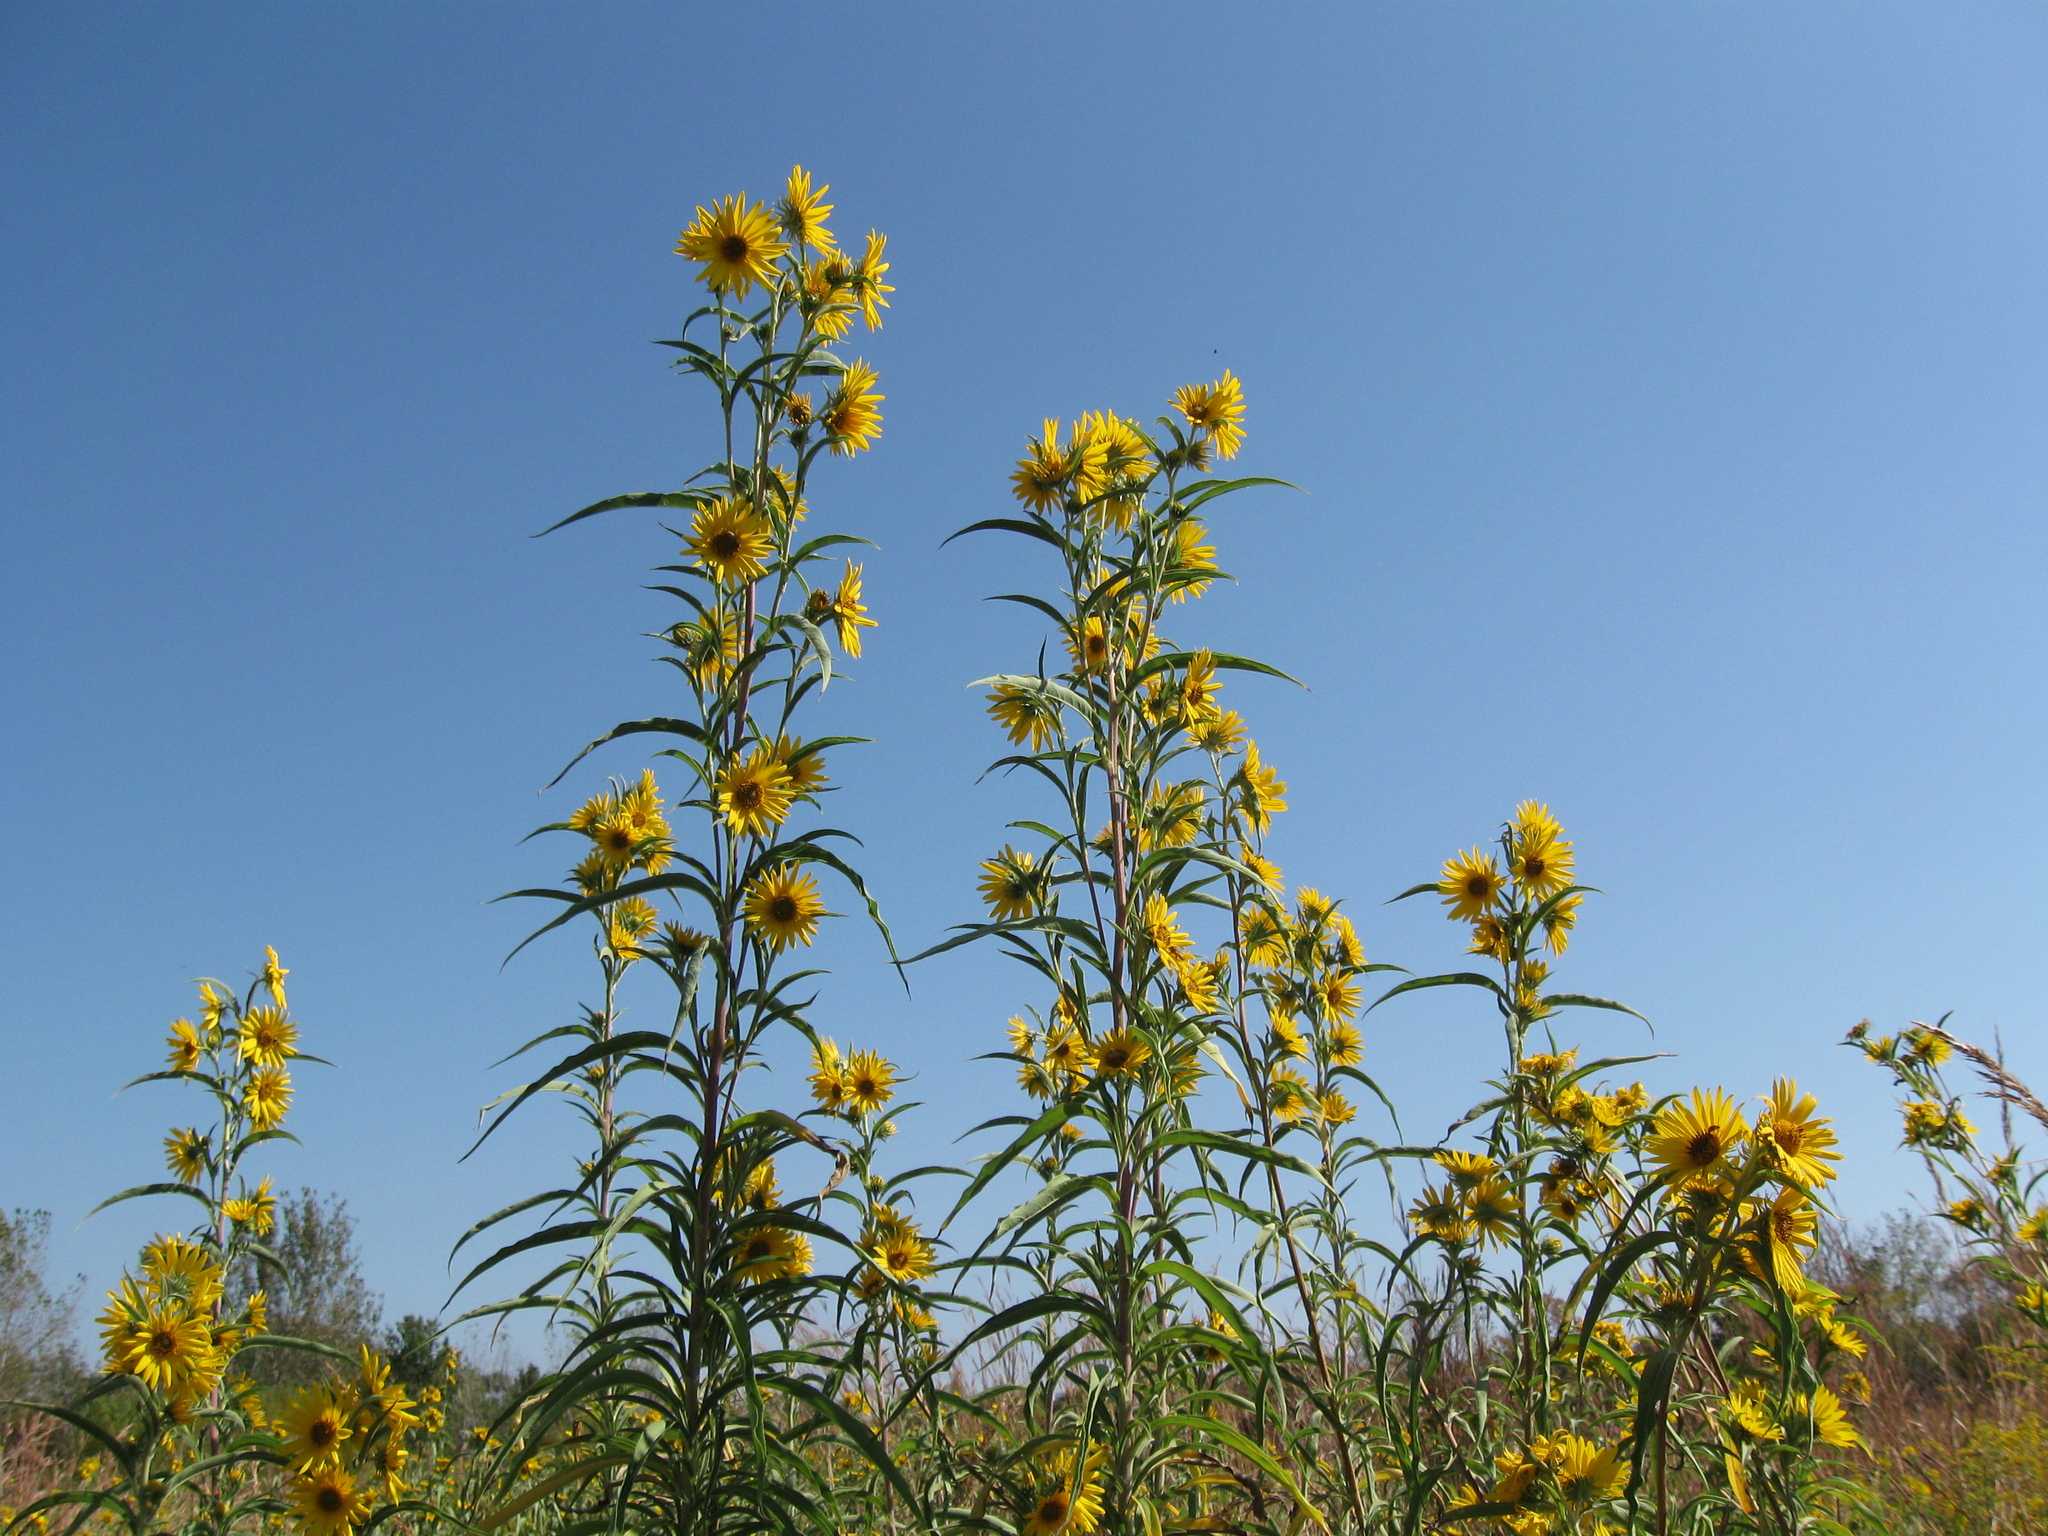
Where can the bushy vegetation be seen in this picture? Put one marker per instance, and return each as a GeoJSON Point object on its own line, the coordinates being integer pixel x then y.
{"type": "Point", "coordinates": [1192, 1281]}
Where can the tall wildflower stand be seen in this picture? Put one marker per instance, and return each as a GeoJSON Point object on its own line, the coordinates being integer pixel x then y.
{"type": "Point", "coordinates": [688, 1399]}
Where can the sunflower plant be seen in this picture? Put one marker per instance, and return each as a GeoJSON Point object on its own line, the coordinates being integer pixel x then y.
{"type": "Point", "coordinates": [687, 1399]}
{"type": "Point", "coordinates": [1159, 808]}
{"type": "Point", "coordinates": [178, 1427]}
{"type": "Point", "coordinates": [1991, 1195]}
{"type": "Point", "coordinates": [1617, 1302]}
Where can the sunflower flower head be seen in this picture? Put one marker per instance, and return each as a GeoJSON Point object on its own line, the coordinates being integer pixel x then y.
{"type": "Point", "coordinates": [1013, 884]}
{"type": "Point", "coordinates": [851, 415]}
{"type": "Point", "coordinates": [1069, 1500]}
{"type": "Point", "coordinates": [753, 793]}
{"type": "Point", "coordinates": [870, 1082]}
{"type": "Point", "coordinates": [783, 906]}
{"type": "Point", "coordinates": [843, 610]}
{"type": "Point", "coordinates": [803, 210]}
{"type": "Point", "coordinates": [737, 244]}
{"type": "Point", "coordinates": [1215, 412]}
{"type": "Point", "coordinates": [1792, 1141]}
{"type": "Point", "coordinates": [770, 1253]}
{"type": "Point", "coordinates": [731, 541]}
{"type": "Point", "coordinates": [1692, 1143]}
{"type": "Point", "coordinates": [1471, 885]}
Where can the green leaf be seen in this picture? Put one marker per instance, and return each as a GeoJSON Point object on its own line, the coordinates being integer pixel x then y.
{"type": "Point", "coordinates": [666, 727]}
{"type": "Point", "coordinates": [691, 499]}
{"type": "Point", "coordinates": [151, 1189]}
{"type": "Point", "coordinates": [1580, 1000]}
{"type": "Point", "coordinates": [1040, 1128]}
{"type": "Point", "coordinates": [1459, 979]}
{"type": "Point", "coordinates": [1030, 530]}
{"type": "Point", "coordinates": [1055, 1194]}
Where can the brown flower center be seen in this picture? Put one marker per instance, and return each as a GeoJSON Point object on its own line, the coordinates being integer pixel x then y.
{"type": "Point", "coordinates": [1705, 1149]}
{"type": "Point", "coordinates": [329, 1500]}
{"type": "Point", "coordinates": [733, 248]}
{"type": "Point", "coordinates": [725, 544]}
{"type": "Point", "coordinates": [747, 796]}
{"type": "Point", "coordinates": [782, 909]}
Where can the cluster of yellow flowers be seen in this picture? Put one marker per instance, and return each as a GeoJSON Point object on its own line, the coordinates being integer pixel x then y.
{"type": "Point", "coordinates": [343, 1438]}
{"type": "Point", "coordinates": [1071, 1498]}
{"type": "Point", "coordinates": [168, 1331]}
{"type": "Point", "coordinates": [1553, 1484]}
{"type": "Point", "coordinates": [1500, 903]}
{"type": "Point", "coordinates": [895, 1250]}
{"type": "Point", "coordinates": [858, 1083]}
{"type": "Point", "coordinates": [1305, 963]}
{"type": "Point", "coordinates": [252, 1042]}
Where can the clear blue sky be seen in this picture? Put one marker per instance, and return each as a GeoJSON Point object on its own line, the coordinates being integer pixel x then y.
{"type": "Point", "coordinates": [1666, 384]}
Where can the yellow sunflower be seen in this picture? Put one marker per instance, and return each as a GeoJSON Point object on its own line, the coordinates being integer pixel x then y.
{"type": "Point", "coordinates": [754, 795]}
{"type": "Point", "coordinates": [1263, 937]}
{"type": "Point", "coordinates": [828, 1076]}
{"type": "Point", "coordinates": [803, 210]}
{"type": "Point", "coordinates": [1795, 1144]}
{"type": "Point", "coordinates": [1072, 1500]}
{"type": "Point", "coordinates": [615, 839]}
{"type": "Point", "coordinates": [189, 1154]}
{"type": "Point", "coordinates": [867, 284]}
{"type": "Point", "coordinates": [771, 1253]}
{"type": "Point", "coordinates": [1068, 1052]}
{"type": "Point", "coordinates": [1218, 734]}
{"type": "Point", "coordinates": [178, 1269]}
{"type": "Point", "coordinates": [1011, 884]}
{"type": "Point", "coordinates": [1747, 1409]}
{"type": "Point", "coordinates": [1784, 1235]}
{"type": "Point", "coordinates": [1830, 1422]}
{"type": "Point", "coordinates": [783, 907]}
{"type": "Point", "coordinates": [870, 1081]}
{"type": "Point", "coordinates": [1288, 1095]}
{"type": "Point", "coordinates": [737, 244]}
{"type": "Point", "coordinates": [1470, 884]}
{"type": "Point", "coordinates": [1440, 1213]}
{"type": "Point", "coordinates": [1491, 1208]}
{"type": "Point", "coordinates": [1334, 1108]}
{"type": "Point", "coordinates": [315, 1423]}
{"type": "Point", "coordinates": [1467, 1169]}
{"type": "Point", "coordinates": [628, 922]}
{"type": "Point", "coordinates": [1260, 790]}
{"type": "Point", "coordinates": [850, 415]}
{"type": "Point", "coordinates": [185, 1047]}
{"type": "Point", "coordinates": [1587, 1473]}
{"type": "Point", "coordinates": [731, 541]}
{"type": "Point", "coordinates": [327, 1502]}
{"type": "Point", "coordinates": [1190, 559]}
{"type": "Point", "coordinates": [1558, 923]}
{"type": "Point", "coordinates": [170, 1349]}
{"type": "Point", "coordinates": [1691, 1143]}
{"type": "Point", "coordinates": [843, 610]}
{"type": "Point", "coordinates": [1267, 872]}
{"type": "Point", "coordinates": [1120, 1053]}
{"type": "Point", "coordinates": [900, 1252]}
{"type": "Point", "coordinates": [804, 765]}
{"type": "Point", "coordinates": [711, 648]}
{"type": "Point", "coordinates": [273, 975]}
{"type": "Point", "coordinates": [1025, 714]}
{"type": "Point", "coordinates": [1340, 996]}
{"type": "Point", "coordinates": [255, 1209]}
{"type": "Point", "coordinates": [1215, 410]}
{"type": "Point", "coordinates": [1172, 817]}
{"type": "Point", "coordinates": [1040, 479]}
{"type": "Point", "coordinates": [267, 1096]}
{"type": "Point", "coordinates": [267, 1037]}
{"type": "Point", "coordinates": [1538, 855]}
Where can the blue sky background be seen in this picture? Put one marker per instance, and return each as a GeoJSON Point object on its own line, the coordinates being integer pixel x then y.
{"type": "Point", "coordinates": [1665, 384]}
